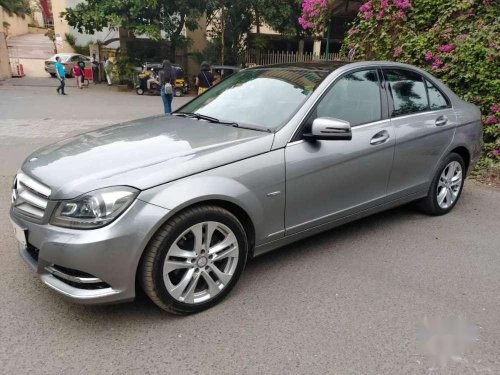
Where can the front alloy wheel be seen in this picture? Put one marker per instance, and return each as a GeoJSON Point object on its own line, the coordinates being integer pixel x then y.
{"type": "Point", "coordinates": [201, 262]}
{"type": "Point", "coordinates": [194, 260]}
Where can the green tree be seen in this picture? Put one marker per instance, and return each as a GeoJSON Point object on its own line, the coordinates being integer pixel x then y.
{"type": "Point", "coordinates": [157, 19]}
{"type": "Point", "coordinates": [18, 7]}
{"type": "Point", "coordinates": [230, 24]}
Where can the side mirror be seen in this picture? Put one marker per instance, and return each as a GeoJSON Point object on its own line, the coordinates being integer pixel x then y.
{"type": "Point", "coordinates": [328, 128]}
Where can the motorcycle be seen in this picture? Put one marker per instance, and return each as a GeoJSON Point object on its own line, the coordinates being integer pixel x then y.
{"type": "Point", "coordinates": [148, 82]}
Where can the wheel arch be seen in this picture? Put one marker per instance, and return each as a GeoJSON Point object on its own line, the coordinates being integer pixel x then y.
{"type": "Point", "coordinates": [238, 211]}
{"type": "Point", "coordinates": [464, 153]}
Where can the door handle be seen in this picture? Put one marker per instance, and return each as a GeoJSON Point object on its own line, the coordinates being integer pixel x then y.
{"type": "Point", "coordinates": [441, 120]}
{"type": "Point", "coordinates": [380, 137]}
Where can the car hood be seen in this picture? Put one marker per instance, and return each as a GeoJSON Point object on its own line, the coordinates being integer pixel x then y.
{"type": "Point", "coordinates": [141, 153]}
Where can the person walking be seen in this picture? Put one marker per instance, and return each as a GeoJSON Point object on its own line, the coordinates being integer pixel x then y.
{"type": "Point", "coordinates": [77, 72]}
{"type": "Point", "coordinates": [205, 79]}
{"type": "Point", "coordinates": [81, 64]}
{"type": "Point", "coordinates": [61, 75]}
{"type": "Point", "coordinates": [167, 82]}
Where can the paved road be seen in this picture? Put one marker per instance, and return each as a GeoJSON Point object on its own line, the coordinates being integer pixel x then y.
{"type": "Point", "coordinates": [348, 301]}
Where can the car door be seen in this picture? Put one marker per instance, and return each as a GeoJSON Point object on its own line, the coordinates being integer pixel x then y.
{"type": "Point", "coordinates": [424, 123]}
{"type": "Point", "coordinates": [330, 179]}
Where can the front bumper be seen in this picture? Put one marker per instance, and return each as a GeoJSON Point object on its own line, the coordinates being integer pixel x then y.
{"type": "Point", "coordinates": [106, 257]}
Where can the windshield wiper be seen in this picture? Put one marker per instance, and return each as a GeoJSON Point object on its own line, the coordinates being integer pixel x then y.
{"type": "Point", "coordinates": [199, 116]}
{"type": "Point", "coordinates": [267, 130]}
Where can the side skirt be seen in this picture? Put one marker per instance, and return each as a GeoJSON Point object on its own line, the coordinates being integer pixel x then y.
{"type": "Point", "coordinates": [272, 245]}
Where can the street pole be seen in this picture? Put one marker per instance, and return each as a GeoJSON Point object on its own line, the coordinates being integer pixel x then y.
{"type": "Point", "coordinates": [223, 26]}
{"type": "Point", "coordinates": [327, 50]}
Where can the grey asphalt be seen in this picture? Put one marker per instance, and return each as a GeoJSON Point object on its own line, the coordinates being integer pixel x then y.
{"type": "Point", "coordinates": [353, 300]}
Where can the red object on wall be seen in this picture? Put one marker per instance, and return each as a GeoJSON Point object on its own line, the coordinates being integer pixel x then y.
{"type": "Point", "coordinates": [45, 8]}
{"type": "Point", "coordinates": [17, 70]}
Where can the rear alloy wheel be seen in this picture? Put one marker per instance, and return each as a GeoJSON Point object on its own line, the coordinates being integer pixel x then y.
{"type": "Point", "coordinates": [446, 187]}
{"type": "Point", "coordinates": [449, 185]}
{"type": "Point", "coordinates": [195, 260]}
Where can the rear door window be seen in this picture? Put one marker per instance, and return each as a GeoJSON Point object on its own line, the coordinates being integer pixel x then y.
{"type": "Point", "coordinates": [408, 91]}
{"type": "Point", "coordinates": [436, 97]}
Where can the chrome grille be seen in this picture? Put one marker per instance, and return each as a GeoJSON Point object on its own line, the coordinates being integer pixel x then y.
{"type": "Point", "coordinates": [30, 197]}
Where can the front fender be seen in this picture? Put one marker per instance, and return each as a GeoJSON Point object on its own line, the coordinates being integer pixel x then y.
{"type": "Point", "coordinates": [256, 185]}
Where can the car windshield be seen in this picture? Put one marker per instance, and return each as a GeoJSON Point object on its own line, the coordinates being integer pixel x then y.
{"type": "Point", "coordinates": [263, 98]}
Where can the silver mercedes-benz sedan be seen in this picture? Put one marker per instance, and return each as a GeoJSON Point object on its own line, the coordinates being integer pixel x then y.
{"type": "Point", "coordinates": [270, 155]}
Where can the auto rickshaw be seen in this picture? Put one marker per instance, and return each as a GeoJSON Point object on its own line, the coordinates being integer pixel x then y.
{"type": "Point", "coordinates": [148, 80]}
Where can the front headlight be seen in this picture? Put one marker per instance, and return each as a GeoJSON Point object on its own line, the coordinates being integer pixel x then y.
{"type": "Point", "coordinates": [95, 209]}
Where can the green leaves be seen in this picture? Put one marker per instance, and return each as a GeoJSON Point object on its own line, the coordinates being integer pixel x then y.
{"type": "Point", "coordinates": [158, 19]}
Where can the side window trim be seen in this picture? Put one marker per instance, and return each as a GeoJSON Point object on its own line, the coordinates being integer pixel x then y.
{"type": "Point", "coordinates": [312, 111]}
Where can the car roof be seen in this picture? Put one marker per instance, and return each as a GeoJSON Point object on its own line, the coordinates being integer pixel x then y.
{"type": "Point", "coordinates": [329, 66]}
{"type": "Point", "coordinates": [225, 67]}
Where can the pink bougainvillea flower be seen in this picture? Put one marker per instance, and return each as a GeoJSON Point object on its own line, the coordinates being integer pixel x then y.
{"type": "Point", "coordinates": [380, 14]}
{"type": "Point", "coordinates": [462, 36]}
{"type": "Point", "coordinates": [446, 48]}
{"type": "Point", "coordinates": [496, 152]}
{"type": "Point", "coordinates": [486, 2]}
{"type": "Point", "coordinates": [491, 120]}
{"type": "Point", "coordinates": [402, 4]}
{"type": "Point", "coordinates": [368, 15]}
{"type": "Point", "coordinates": [384, 4]}
{"type": "Point", "coordinates": [365, 7]}
{"type": "Point", "coordinates": [353, 31]}
{"type": "Point", "coordinates": [429, 56]}
{"type": "Point", "coordinates": [437, 64]}
{"type": "Point", "coordinates": [495, 108]}
{"type": "Point", "coordinates": [311, 10]}
{"type": "Point", "coordinates": [398, 51]}
{"type": "Point", "coordinates": [399, 15]}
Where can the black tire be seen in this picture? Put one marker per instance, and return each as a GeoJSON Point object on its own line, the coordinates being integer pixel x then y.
{"type": "Point", "coordinates": [430, 204]}
{"type": "Point", "coordinates": [139, 91]}
{"type": "Point", "coordinates": [151, 265]}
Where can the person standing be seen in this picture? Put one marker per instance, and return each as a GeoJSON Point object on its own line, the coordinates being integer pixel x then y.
{"type": "Point", "coordinates": [107, 66]}
{"type": "Point", "coordinates": [205, 79]}
{"type": "Point", "coordinates": [167, 82]}
{"type": "Point", "coordinates": [95, 69]}
{"type": "Point", "coordinates": [61, 75]}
